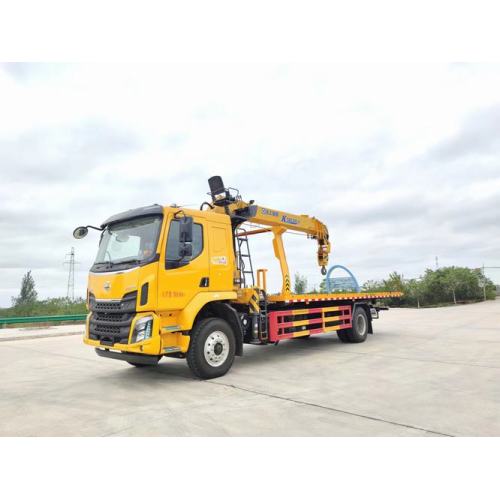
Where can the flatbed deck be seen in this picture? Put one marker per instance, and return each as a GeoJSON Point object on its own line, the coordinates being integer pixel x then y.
{"type": "Point", "coordinates": [324, 297]}
{"type": "Point", "coordinates": [292, 315]}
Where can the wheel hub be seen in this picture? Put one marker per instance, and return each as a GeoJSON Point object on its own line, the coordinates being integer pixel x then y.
{"type": "Point", "coordinates": [216, 348]}
{"type": "Point", "coordinates": [361, 324]}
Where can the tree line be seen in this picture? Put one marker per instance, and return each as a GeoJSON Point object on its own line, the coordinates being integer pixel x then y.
{"type": "Point", "coordinates": [27, 303]}
{"type": "Point", "coordinates": [447, 285]}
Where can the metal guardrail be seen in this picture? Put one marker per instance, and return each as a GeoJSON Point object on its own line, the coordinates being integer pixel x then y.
{"type": "Point", "coordinates": [42, 319]}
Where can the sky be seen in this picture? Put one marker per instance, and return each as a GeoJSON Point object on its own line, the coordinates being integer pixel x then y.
{"type": "Point", "coordinates": [400, 161]}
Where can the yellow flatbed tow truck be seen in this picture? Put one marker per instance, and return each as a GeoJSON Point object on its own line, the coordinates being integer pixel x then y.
{"type": "Point", "coordinates": [176, 282]}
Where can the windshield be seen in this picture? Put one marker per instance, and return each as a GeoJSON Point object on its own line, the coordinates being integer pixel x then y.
{"type": "Point", "coordinates": [130, 242]}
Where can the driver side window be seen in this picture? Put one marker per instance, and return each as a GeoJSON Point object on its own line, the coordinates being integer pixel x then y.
{"type": "Point", "coordinates": [173, 260]}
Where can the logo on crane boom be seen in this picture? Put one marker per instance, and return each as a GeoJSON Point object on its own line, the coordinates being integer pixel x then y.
{"type": "Point", "coordinates": [289, 220]}
{"type": "Point", "coordinates": [284, 218]}
{"type": "Point", "coordinates": [266, 211]}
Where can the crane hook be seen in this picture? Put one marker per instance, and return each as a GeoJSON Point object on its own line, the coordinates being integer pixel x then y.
{"type": "Point", "coordinates": [323, 270]}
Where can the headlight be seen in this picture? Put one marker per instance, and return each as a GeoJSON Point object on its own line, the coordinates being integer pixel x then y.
{"type": "Point", "coordinates": [142, 329]}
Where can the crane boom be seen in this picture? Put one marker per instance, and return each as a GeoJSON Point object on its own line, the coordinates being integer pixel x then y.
{"type": "Point", "coordinates": [277, 221]}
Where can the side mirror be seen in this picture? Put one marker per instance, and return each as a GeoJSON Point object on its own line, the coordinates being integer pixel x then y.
{"type": "Point", "coordinates": [186, 230]}
{"type": "Point", "coordinates": [185, 250]}
{"type": "Point", "coordinates": [80, 232]}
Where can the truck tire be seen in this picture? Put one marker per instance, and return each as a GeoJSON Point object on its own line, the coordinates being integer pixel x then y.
{"type": "Point", "coordinates": [359, 330]}
{"type": "Point", "coordinates": [211, 348]}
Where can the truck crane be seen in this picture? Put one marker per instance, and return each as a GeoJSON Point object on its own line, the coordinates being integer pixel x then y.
{"type": "Point", "coordinates": [169, 281]}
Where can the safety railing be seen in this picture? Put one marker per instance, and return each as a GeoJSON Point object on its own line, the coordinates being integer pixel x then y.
{"type": "Point", "coordinates": [285, 325]}
{"type": "Point", "coordinates": [41, 319]}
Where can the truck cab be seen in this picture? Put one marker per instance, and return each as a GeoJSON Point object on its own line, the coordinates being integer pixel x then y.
{"type": "Point", "coordinates": [148, 283]}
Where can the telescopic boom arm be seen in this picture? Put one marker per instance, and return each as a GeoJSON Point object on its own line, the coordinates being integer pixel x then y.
{"type": "Point", "coordinates": [276, 221]}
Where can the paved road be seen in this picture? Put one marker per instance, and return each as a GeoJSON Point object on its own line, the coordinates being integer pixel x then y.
{"type": "Point", "coordinates": [34, 332]}
{"type": "Point", "coordinates": [428, 372]}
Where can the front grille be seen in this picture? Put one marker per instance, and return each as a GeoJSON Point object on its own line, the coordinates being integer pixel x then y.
{"type": "Point", "coordinates": [107, 331]}
{"type": "Point", "coordinates": [120, 319]}
{"type": "Point", "coordinates": [126, 304]}
{"type": "Point", "coordinates": [110, 320]}
{"type": "Point", "coordinates": [107, 306]}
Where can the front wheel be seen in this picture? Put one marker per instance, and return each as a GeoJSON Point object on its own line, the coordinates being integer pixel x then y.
{"type": "Point", "coordinates": [211, 348]}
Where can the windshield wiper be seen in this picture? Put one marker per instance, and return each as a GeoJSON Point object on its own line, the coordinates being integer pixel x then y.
{"type": "Point", "coordinates": [128, 261]}
{"type": "Point", "coordinates": [111, 264]}
{"type": "Point", "coordinates": [108, 262]}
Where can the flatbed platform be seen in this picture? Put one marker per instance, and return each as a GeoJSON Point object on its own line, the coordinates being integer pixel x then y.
{"type": "Point", "coordinates": [323, 297]}
{"type": "Point", "coordinates": [291, 315]}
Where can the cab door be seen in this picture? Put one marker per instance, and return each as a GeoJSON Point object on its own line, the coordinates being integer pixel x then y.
{"type": "Point", "coordinates": [181, 278]}
{"type": "Point", "coordinates": [221, 257]}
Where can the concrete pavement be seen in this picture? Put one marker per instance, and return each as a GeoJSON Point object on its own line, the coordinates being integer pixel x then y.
{"type": "Point", "coordinates": [428, 372]}
{"type": "Point", "coordinates": [24, 333]}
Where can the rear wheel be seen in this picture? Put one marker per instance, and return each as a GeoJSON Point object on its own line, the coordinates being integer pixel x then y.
{"type": "Point", "coordinates": [211, 348]}
{"type": "Point", "coordinates": [359, 330]}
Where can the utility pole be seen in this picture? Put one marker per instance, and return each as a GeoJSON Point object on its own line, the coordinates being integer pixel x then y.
{"type": "Point", "coordinates": [437, 263]}
{"type": "Point", "coordinates": [70, 293]}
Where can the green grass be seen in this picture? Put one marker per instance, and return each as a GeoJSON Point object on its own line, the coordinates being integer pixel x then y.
{"type": "Point", "coordinates": [49, 307]}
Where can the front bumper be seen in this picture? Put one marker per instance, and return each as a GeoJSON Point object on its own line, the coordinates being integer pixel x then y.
{"type": "Point", "coordinates": [150, 346]}
{"type": "Point", "coordinates": [143, 359]}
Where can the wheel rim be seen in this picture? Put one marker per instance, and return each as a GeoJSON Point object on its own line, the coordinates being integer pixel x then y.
{"type": "Point", "coordinates": [216, 348]}
{"type": "Point", "coordinates": [361, 324]}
